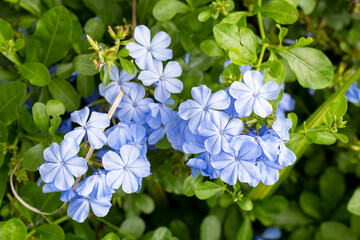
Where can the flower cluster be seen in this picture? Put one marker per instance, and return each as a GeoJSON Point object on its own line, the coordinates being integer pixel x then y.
{"type": "Point", "coordinates": [211, 125]}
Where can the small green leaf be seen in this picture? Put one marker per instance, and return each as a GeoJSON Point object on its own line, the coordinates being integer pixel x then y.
{"type": "Point", "coordinates": [36, 73]}
{"type": "Point", "coordinates": [111, 236]}
{"type": "Point", "coordinates": [55, 108]}
{"type": "Point", "coordinates": [353, 205]}
{"type": "Point", "coordinates": [11, 98]}
{"type": "Point", "coordinates": [307, 6]}
{"type": "Point", "coordinates": [94, 28]}
{"type": "Point", "coordinates": [83, 65]}
{"type": "Point", "coordinates": [245, 204]}
{"type": "Point", "coordinates": [190, 184]}
{"type": "Point", "coordinates": [145, 203]}
{"type": "Point", "coordinates": [332, 185]}
{"type": "Point", "coordinates": [205, 15]}
{"type": "Point", "coordinates": [311, 66]}
{"type": "Point", "coordinates": [207, 189]}
{"type": "Point", "coordinates": [210, 228]}
{"type": "Point", "coordinates": [85, 85]}
{"type": "Point", "coordinates": [282, 33]}
{"type": "Point", "coordinates": [19, 43]}
{"type": "Point", "coordinates": [64, 70]}
{"type": "Point", "coordinates": [321, 137]}
{"type": "Point", "coordinates": [210, 47]}
{"type": "Point", "coordinates": [302, 42]}
{"type": "Point", "coordinates": [63, 91]}
{"type": "Point", "coordinates": [128, 66]}
{"type": "Point", "coordinates": [41, 119]}
{"type": "Point", "coordinates": [311, 204]}
{"type": "Point", "coordinates": [33, 157]}
{"type": "Point", "coordinates": [134, 226]}
{"type": "Point", "coordinates": [294, 119]}
{"type": "Point", "coordinates": [240, 56]}
{"type": "Point", "coordinates": [14, 229]}
{"type": "Point", "coordinates": [231, 73]}
{"type": "Point", "coordinates": [227, 35]}
{"type": "Point", "coordinates": [281, 11]}
{"type": "Point", "coordinates": [51, 231]}
{"type": "Point", "coordinates": [341, 137]}
{"type": "Point", "coordinates": [164, 10]}
{"type": "Point", "coordinates": [54, 124]}
{"type": "Point", "coordinates": [123, 52]}
{"type": "Point", "coordinates": [245, 232]}
{"type": "Point", "coordinates": [248, 40]}
{"type": "Point", "coordinates": [237, 18]}
{"type": "Point", "coordinates": [6, 32]}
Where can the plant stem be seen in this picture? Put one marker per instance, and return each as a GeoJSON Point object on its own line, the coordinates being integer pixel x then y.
{"type": "Point", "coordinates": [32, 232]}
{"type": "Point", "coordinates": [116, 228]}
{"type": "Point", "coordinates": [134, 15]}
{"type": "Point", "coordinates": [261, 26]}
{"type": "Point", "coordinates": [61, 219]}
{"type": "Point", "coordinates": [263, 49]}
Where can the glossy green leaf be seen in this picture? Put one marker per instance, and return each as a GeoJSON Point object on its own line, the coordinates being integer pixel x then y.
{"type": "Point", "coordinates": [210, 47]}
{"type": "Point", "coordinates": [94, 28]}
{"type": "Point", "coordinates": [128, 66]}
{"type": "Point", "coordinates": [27, 121]}
{"type": "Point", "coordinates": [311, 66]}
{"type": "Point", "coordinates": [281, 11]}
{"type": "Point", "coordinates": [134, 226]}
{"type": "Point", "coordinates": [6, 32]}
{"type": "Point", "coordinates": [227, 35]}
{"type": "Point", "coordinates": [237, 18]}
{"type": "Point", "coordinates": [307, 6]}
{"type": "Point", "coordinates": [83, 65]}
{"type": "Point", "coordinates": [111, 236]}
{"type": "Point", "coordinates": [210, 228]}
{"type": "Point", "coordinates": [248, 40]}
{"type": "Point", "coordinates": [51, 231]}
{"type": "Point", "coordinates": [53, 31]}
{"type": "Point", "coordinates": [245, 204]}
{"type": "Point", "coordinates": [240, 56]}
{"type": "Point", "coordinates": [55, 108]}
{"type": "Point", "coordinates": [145, 203]}
{"type": "Point", "coordinates": [64, 70]}
{"type": "Point", "coordinates": [207, 189]}
{"type": "Point", "coordinates": [85, 85]}
{"type": "Point", "coordinates": [165, 10]}
{"type": "Point", "coordinates": [40, 116]}
{"type": "Point", "coordinates": [63, 91]}
{"type": "Point", "coordinates": [353, 205]}
{"type": "Point", "coordinates": [335, 231]}
{"type": "Point", "coordinates": [332, 185]}
{"type": "Point", "coordinates": [33, 157]}
{"type": "Point", "coordinates": [205, 15]}
{"type": "Point", "coordinates": [245, 232]}
{"type": "Point", "coordinates": [190, 184]}
{"type": "Point", "coordinates": [36, 73]}
{"type": "Point", "coordinates": [311, 205]}
{"type": "Point", "coordinates": [11, 98]}
{"type": "Point", "coordinates": [321, 137]}
{"type": "Point", "coordinates": [14, 229]}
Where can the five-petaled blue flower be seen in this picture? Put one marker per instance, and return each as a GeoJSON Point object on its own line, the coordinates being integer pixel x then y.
{"type": "Point", "coordinates": [219, 132]}
{"type": "Point", "coordinates": [118, 82]}
{"type": "Point", "coordinates": [165, 80]}
{"type": "Point", "coordinates": [118, 135]}
{"type": "Point", "coordinates": [144, 50]}
{"type": "Point", "coordinates": [62, 164]}
{"type": "Point", "coordinates": [125, 169]}
{"type": "Point", "coordinates": [252, 94]}
{"type": "Point", "coordinates": [92, 128]}
{"type": "Point", "coordinates": [205, 103]}
{"type": "Point", "coordinates": [134, 106]}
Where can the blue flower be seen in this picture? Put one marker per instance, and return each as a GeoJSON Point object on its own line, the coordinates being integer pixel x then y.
{"type": "Point", "coordinates": [118, 135]}
{"type": "Point", "coordinates": [79, 208]}
{"type": "Point", "coordinates": [205, 103]}
{"type": "Point", "coordinates": [165, 80]}
{"type": "Point", "coordinates": [165, 113]}
{"type": "Point", "coordinates": [239, 164]}
{"type": "Point", "coordinates": [353, 93]}
{"type": "Point", "coordinates": [134, 106]}
{"type": "Point", "coordinates": [252, 95]}
{"type": "Point", "coordinates": [95, 187]}
{"type": "Point", "coordinates": [156, 134]}
{"type": "Point", "coordinates": [92, 128]}
{"type": "Point", "coordinates": [65, 195]}
{"type": "Point", "coordinates": [118, 82]}
{"type": "Point", "coordinates": [194, 143]}
{"type": "Point", "coordinates": [219, 132]}
{"type": "Point", "coordinates": [144, 50]}
{"type": "Point", "coordinates": [175, 132]}
{"type": "Point", "coordinates": [281, 127]}
{"type": "Point", "coordinates": [202, 163]}
{"type": "Point", "coordinates": [125, 169]}
{"type": "Point", "coordinates": [62, 164]}
{"type": "Point", "coordinates": [231, 111]}
{"type": "Point", "coordinates": [286, 104]}
{"type": "Point", "coordinates": [138, 137]}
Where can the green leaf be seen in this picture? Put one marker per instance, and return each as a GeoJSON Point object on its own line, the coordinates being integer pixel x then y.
{"type": "Point", "coordinates": [14, 229]}
{"type": "Point", "coordinates": [205, 15]}
{"type": "Point", "coordinates": [94, 28]}
{"type": "Point", "coordinates": [307, 6]}
{"type": "Point", "coordinates": [11, 98]}
{"type": "Point", "coordinates": [54, 124]}
{"type": "Point", "coordinates": [64, 70]}
{"type": "Point", "coordinates": [6, 32]}
{"type": "Point", "coordinates": [4, 134]}
{"type": "Point", "coordinates": [83, 65]}
{"type": "Point", "coordinates": [161, 233]}
{"type": "Point", "coordinates": [245, 232]}
{"type": "Point", "coordinates": [311, 66]}
{"type": "Point", "coordinates": [190, 184]}
{"type": "Point", "coordinates": [245, 204]}
{"type": "Point", "coordinates": [51, 231]}
{"type": "Point", "coordinates": [282, 33]}
{"type": "Point", "coordinates": [111, 236]}
{"type": "Point", "coordinates": [4, 179]}
{"type": "Point", "coordinates": [231, 73]}
{"type": "Point", "coordinates": [85, 85]}
{"type": "Point", "coordinates": [210, 228]}
{"type": "Point", "coordinates": [294, 119]}
{"type": "Point", "coordinates": [210, 47]}
{"type": "Point", "coordinates": [207, 189]}
{"type": "Point", "coordinates": [145, 203]}
{"type": "Point", "coordinates": [237, 18]}
{"type": "Point", "coordinates": [336, 231]}
{"type": "Point", "coordinates": [164, 10]}
{"type": "Point", "coordinates": [341, 137]}
{"type": "Point", "coordinates": [227, 35]}
{"type": "Point", "coordinates": [248, 40]}
{"type": "Point", "coordinates": [180, 229]}
{"type": "Point", "coordinates": [5, 74]}
{"type": "Point", "coordinates": [84, 230]}
{"type": "Point", "coordinates": [36, 73]}
{"type": "Point", "coordinates": [33, 157]}
{"type": "Point", "coordinates": [128, 66]}
{"type": "Point", "coordinates": [123, 52]}
{"type": "Point", "coordinates": [353, 205]}
{"type": "Point", "coordinates": [63, 91]}
{"type": "Point", "coordinates": [134, 226]}
{"type": "Point", "coordinates": [281, 11]}
{"type": "Point", "coordinates": [274, 70]}
{"type": "Point", "coordinates": [240, 56]}
{"type": "Point", "coordinates": [41, 119]}
{"type": "Point", "coordinates": [320, 137]}
{"type": "Point", "coordinates": [27, 121]}
{"type": "Point", "coordinates": [311, 204]}
{"type": "Point", "coordinates": [19, 43]}
{"type": "Point", "coordinates": [302, 42]}
{"type": "Point", "coordinates": [332, 185]}
{"type": "Point", "coordinates": [53, 31]}
{"type": "Point", "coordinates": [55, 108]}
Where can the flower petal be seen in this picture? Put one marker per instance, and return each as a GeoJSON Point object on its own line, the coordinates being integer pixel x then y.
{"type": "Point", "coordinates": [142, 35]}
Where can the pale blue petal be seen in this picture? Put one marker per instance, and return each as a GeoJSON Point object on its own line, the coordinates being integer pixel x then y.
{"type": "Point", "coordinates": [173, 85]}
{"type": "Point", "coordinates": [142, 35]}
{"type": "Point", "coordinates": [229, 174]}
{"type": "Point", "coordinates": [222, 160]}
{"type": "Point", "coordinates": [98, 120]}
{"type": "Point", "coordinates": [234, 127]}
{"type": "Point", "coordinates": [286, 156]}
{"type": "Point", "coordinates": [77, 134]}
{"type": "Point", "coordinates": [244, 106]}
{"type": "Point", "coordinates": [80, 117]}
{"type": "Point", "coordinates": [219, 100]}
{"type": "Point", "coordinates": [172, 70]}
{"type": "Point", "coordinates": [148, 77]}
{"type": "Point", "coordinates": [213, 144]}
{"type": "Point", "coordinates": [140, 168]}
{"type": "Point", "coordinates": [136, 50]}
{"type": "Point", "coordinates": [76, 166]}
{"type": "Point", "coordinates": [269, 175]}
{"type": "Point", "coordinates": [100, 208]}
{"type": "Point", "coordinates": [161, 92]}
{"type": "Point", "coordinates": [254, 80]}
{"type": "Point", "coordinates": [97, 138]}
{"type": "Point", "coordinates": [78, 209]}
{"type": "Point", "coordinates": [115, 178]}
{"type": "Point", "coordinates": [262, 107]}
{"type": "Point", "coordinates": [63, 179]}
{"type": "Point", "coordinates": [129, 154]}
{"type": "Point", "coordinates": [161, 40]}
{"type": "Point", "coordinates": [189, 108]}
{"type": "Point", "coordinates": [201, 95]}
{"type": "Point", "coordinates": [52, 153]}
{"type": "Point", "coordinates": [269, 91]}
{"type": "Point", "coordinates": [112, 161]}
{"type": "Point", "coordinates": [48, 171]}
{"type": "Point", "coordinates": [239, 89]}
{"type": "Point", "coordinates": [162, 53]}
{"type": "Point", "coordinates": [130, 183]}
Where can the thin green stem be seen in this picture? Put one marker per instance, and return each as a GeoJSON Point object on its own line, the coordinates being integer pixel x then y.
{"type": "Point", "coordinates": [61, 219]}
{"type": "Point", "coordinates": [261, 26]}
{"type": "Point", "coordinates": [263, 49]}
{"type": "Point", "coordinates": [32, 232]}
{"type": "Point", "coordinates": [125, 234]}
